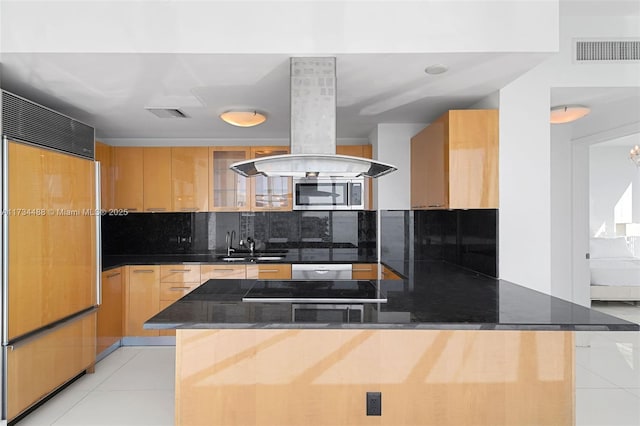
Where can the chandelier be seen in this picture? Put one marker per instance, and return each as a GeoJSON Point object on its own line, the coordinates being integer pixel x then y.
{"type": "Point", "coordinates": [634, 154]}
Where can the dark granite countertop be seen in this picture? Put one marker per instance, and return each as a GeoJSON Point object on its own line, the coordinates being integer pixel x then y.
{"type": "Point", "coordinates": [435, 295]}
{"type": "Point", "coordinates": [296, 255]}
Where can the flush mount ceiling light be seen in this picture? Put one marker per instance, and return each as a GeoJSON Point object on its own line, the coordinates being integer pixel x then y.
{"type": "Point", "coordinates": [436, 69]}
{"type": "Point", "coordinates": [568, 113]}
{"type": "Point", "coordinates": [634, 154]}
{"type": "Point", "coordinates": [243, 118]}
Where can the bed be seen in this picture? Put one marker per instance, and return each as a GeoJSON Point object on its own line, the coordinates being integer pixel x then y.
{"type": "Point", "coordinates": [615, 271]}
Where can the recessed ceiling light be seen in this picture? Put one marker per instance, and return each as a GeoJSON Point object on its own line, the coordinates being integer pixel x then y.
{"type": "Point", "coordinates": [243, 118]}
{"type": "Point", "coordinates": [436, 69]}
{"type": "Point", "coordinates": [568, 113]}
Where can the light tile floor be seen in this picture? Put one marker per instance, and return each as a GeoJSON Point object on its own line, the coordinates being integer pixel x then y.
{"type": "Point", "coordinates": [135, 385]}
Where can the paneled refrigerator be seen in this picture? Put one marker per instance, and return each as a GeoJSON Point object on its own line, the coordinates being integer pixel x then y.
{"type": "Point", "coordinates": [50, 253]}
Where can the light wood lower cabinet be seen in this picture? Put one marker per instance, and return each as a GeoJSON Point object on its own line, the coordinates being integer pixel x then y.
{"type": "Point", "coordinates": [426, 377]}
{"type": "Point", "coordinates": [110, 313]}
{"type": "Point", "coordinates": [388, 274]}
{"type": "Point", "coordinates": [142, 299]}
{"type": "Point", "coordinates": [40, 365]}
{"type": "Point", "coordinates": [269, 271]}
{"type": "Point", "coordinates": [364, 271]}
{"type": "Point", "coordinates": [212, 272]}
{"type": "Point", "coordinates": [175, 282]}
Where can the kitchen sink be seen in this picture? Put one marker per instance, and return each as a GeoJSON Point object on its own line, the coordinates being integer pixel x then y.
{"type": "Point", "coordinates": [255, 258]}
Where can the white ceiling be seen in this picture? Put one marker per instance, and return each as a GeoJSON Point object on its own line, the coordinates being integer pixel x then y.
{"type": "Point", "coordinates": [111, 90]}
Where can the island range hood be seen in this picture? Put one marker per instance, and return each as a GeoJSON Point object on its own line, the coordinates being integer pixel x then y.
{"type": "Point", "coordinates": [313, 131]}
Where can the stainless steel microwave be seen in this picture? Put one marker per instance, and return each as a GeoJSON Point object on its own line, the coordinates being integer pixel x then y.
{"type": "Point", "coordinates": [329, 194]}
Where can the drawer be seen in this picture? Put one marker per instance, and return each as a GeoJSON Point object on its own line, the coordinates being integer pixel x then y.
{"type": "Point", "coordinates": [209, 272]}
{"type": "Point", "coordinates": [180, 273]}
{"type": "Point", "coordinates": [272, 271]}
{"type": "Point", "coordinates": [364, 271]}
{"type": "Point", "coordinates": [174, 291]}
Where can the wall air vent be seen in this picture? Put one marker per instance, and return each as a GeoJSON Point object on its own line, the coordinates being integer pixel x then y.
{"type": "Point", "coordinates": [25, 121]}
{"type": "Point", "coordinates": [166, 112]}
{"type": "Point", "coordinates": [607, 50]}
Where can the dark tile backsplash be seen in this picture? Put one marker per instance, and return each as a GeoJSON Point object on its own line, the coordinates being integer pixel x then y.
{"type": "Point", "coordinates": [175, 233]}
{"type": "Point", "coordinates": [468, 238]}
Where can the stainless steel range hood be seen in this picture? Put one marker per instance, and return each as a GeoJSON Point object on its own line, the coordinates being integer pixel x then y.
{"type": "Point", "coordinates": [313, 131]}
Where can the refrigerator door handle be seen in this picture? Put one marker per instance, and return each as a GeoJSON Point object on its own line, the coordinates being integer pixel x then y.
{"type": "Point", "coordinates": [98, 216]}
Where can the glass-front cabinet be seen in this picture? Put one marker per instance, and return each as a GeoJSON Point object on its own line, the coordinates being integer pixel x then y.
{"type": "Point", "coordinates": [230, 191]}
{"type": "Point", "coordinates": [273, 193]}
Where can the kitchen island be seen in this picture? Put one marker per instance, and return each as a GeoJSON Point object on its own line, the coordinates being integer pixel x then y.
{"type": "Point", "coordinates": [450, 347]}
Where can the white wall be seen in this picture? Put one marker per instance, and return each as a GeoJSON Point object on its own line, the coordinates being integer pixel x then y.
{"type": "Point", "coordinates": [392, 144]}
{"type": "Point", "coordinates": [611, 173]}
{"type": "Point", "coordinates": [562, 206]}
{"type": "Point", "coordinates": [527, 205]}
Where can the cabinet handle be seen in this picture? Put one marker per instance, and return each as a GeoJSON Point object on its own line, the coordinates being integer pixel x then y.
{"type": "Point", "coordinates": [179, 288]}
{"type": "Point", "coordinates": [184, 271]}
{"type": "Point", "coordinates": [113, 275]}
{"type": "Point", "coordinates": [227, 270]}
{"type": "Point", "coordinates": [131, 209]}
{"type": "Point", "coordinates": [436, 205]}
{"type": "Point", "coordinates": [156, 209]}
{"type": "Point", "coordinates": [268, 270]}
{"type": "Point", "coordinates": [143, 271]}
{"type": "Point", "coordinates": [361, 270]}
{"type": "Point", "coordinates": [189, 209]}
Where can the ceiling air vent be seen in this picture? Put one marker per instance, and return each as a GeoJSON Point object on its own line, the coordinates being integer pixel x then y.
{"type": "Point", "coordinates": [607, 50]}
{"type": "Point", "coordinates": [166, 112]}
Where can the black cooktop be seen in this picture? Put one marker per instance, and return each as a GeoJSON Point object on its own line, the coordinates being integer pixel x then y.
{"type": "Point", "coordinates": [335, 291]}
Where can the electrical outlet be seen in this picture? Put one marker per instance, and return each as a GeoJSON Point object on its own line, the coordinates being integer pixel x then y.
{"type": "Point", "coordinates": [374, 403]}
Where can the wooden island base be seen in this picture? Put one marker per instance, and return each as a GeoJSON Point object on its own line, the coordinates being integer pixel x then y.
{"type": "Point", "coordinates": [427, 377]}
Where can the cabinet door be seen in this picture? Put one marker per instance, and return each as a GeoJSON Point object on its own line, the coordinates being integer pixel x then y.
{"type": "Point", "coordinates": [473, 159]}
{"type": "Point", "coordinates": [429, 166]}
{"type": "Point", "coordinates": [110, 313]}
{"type": "Point", "coordinates": [209, 272]}
{"type": "Point", "coordinates": [156, 167]}
{"type": "Point", "coordinates": [364, 271]}
{"type": "Point", "coordinates": [269, 271]}
{"type": "Point", "coordinates": [229, 190]}
{"type": "Point", "coordinates": [104, 154]}
{"type": "Point", "coordinates": [127, 177]}
{"type": "Point", "coordinates": [35, 367]}
{"type": "Point", "coordinates": [270, 193]}
{"type": "Point", "coordinates": [143, 297]}
{"type": "Point", "coordinates": [182, 273]}
{"type": "Point", "coordinates": [190, 174]}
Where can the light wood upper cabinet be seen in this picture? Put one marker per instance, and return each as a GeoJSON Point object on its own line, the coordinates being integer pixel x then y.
{"type": "Point", "coordinates": [230, 191]}
{"type": "Point", "coordinates": [104, 154]}
{"type": "Point", "coordinates": [110, 313]}
{"type": "Point", "coordinates": [190, 174]}
{"type": "Point", "coordinates": [156, 167]}
{"type": "Point", "coordinates": [128, 178]}
{"type": "Point", "coordinates": [142, 298]}
{"type": "Point", "coordinates": [270, 193]}
{"type": "Point", "coordinates": [454, 162]}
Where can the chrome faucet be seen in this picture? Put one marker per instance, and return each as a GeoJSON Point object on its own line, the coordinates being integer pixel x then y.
{"type": "Point", "coordinates": [249, 243]}
{"type": "Point", "coordinates": [229, 240]}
